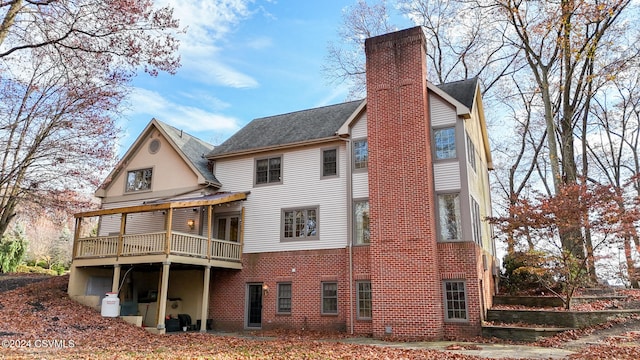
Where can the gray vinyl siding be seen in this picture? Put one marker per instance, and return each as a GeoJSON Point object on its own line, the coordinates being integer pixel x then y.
{"type": "Point", "coordinates": [447, 176]}
{"type": "Point", "coordinates": [360, 179]}
{"type": "Point", "coordinates": [442, 113]}
{"type": "Point", "coordinates": [359, 129]}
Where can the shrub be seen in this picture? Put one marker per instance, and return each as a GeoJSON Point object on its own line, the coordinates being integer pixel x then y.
{"type": "Point", "coordinates": [34, 270]}
{"type": "Point", "coordinates": [525, 272]}
{"type": "Point", "coordinates": [12, 249]}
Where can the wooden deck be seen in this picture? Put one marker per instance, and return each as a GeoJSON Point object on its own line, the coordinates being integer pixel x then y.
{"type": "Point", "coordinates": [188, 248]}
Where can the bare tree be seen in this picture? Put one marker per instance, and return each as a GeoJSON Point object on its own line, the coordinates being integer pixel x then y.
{"type": "Point", "coordinates": [561, 43]}
{"type": "Point", "coordinates": [345, 60]}
{"type": "Point", "coordinates": [613, 150]}
{"type": "Point", "coordinates": [64, 70]}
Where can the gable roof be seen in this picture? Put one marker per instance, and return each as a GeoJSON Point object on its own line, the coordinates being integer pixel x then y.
{"type": "Point", "coordinates": [190, 149]}
{"type": "Point", "coordinates": [464, 90]}
{"type": "Point", "coordinates": [288, 129]}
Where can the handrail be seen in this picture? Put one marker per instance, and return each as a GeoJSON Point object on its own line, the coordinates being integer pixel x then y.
{"type": "Point", "coordinates": [183, 244]}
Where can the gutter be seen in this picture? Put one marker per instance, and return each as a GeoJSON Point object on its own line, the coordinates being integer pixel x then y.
{"type": "Point", "coordinates": [274, 147]}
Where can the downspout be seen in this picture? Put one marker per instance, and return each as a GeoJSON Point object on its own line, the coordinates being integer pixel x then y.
{"type": "Point", "coordinates": [350, 230]}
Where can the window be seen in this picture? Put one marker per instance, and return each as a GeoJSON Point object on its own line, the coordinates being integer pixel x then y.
{"type": "Point", "coordinates": [268, 171]}
{"type": "Point", "coordinates": [284, 298]}
{"type": "Point", "coordinates": [449, 213]}
{"type": "Point", "coordinates": [360, 154]}
{"type": "Point", "coordinates": [361, 222]}
{"type": "Point", "coordinates": [364, 300]}
{"type": "Point", "coordinates": [445, 143]}
{"type": "Point", "coordinates": [227, 227]}
{"type": "Point", "coordinates": [139, 180]}
{"type": "Point", "coordinates": [329, 298]}
{"type": "Point", "coordinates": [455, 300]}
{"type": "Point", "coordinates": [300, 224]}
{"type": "Point", "coordinates": [329, 162]}
{"type": "Point", "coordinates": [477, 226]}
{"type": "Point", "coordinates": [471, 153]}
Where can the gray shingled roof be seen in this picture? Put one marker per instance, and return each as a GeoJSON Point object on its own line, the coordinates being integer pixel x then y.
{"type": "Point", "coordinates": [288, 128]}
{"type": "Point", "coordinates": [193, 148]}
{"type": "Point", "coordinates": [463, 90]}
{"type": "Point", "coordinates": [315, 123]}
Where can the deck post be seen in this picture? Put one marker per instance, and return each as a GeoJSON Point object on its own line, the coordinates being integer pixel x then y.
{"type": "Point", "coordinates": [162, 297]}
{"type": "Point", "coordinates": [167, 246]}
{"type": "Point", "coordinates": [241, 231]}
{"type": "Point", "coordinates": [123, 227]}
{"type": "Point", "coordinates": [209, 230]}
{"type": "Point", "coordinates": [116, 278]}
{"type": "Point", "coordinates": [205, 299]}
{"type": "Point", "coordinates": [76, 237]}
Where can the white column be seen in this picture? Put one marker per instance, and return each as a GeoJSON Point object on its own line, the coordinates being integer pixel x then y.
{"type": "Point", "coordinates": [205, 299]}
{"type": "Point", "coordinates": [116, 278]}
{"type": "Point", "coordinates": [162, 298]}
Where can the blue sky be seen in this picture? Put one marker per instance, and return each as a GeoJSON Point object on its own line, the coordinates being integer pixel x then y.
{"type": "Point", "coordinates": [241, 59]}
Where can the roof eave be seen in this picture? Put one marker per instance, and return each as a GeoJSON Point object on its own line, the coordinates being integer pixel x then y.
{"type": "Point", "coordinates": [274, 147]}
{"type": "Point", "coordinates": [344, 128]}
{"type": "Point", "coordinates": [461, 110]}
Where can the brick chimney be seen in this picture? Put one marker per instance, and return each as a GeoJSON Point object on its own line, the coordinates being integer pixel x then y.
{"type": "Point", "coordinates": [405, 280]}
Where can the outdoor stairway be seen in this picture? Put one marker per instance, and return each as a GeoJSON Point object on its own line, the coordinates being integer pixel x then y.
{"type": "Point", "coordinates": [537, 317]}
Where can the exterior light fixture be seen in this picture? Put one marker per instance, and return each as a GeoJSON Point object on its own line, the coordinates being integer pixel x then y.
{"type": "Point", "coordinates": [191, 223]}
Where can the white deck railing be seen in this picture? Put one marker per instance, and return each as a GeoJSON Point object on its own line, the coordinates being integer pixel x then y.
{"type": "Point", "coordinates": [155, 243]}
{"type": "Point", "coordinates": [148, 243]}
{"type": "Point", "coordinates": [101, 246]}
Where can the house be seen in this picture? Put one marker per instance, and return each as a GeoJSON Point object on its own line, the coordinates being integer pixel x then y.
{"type": "Point", "coordinates": [364, 217]}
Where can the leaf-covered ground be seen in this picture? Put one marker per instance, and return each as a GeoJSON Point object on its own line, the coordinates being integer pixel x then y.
{"type": "Point", "coordinates": [38, 320]}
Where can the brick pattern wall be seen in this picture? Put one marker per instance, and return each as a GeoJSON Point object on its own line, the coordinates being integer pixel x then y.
{"type": "Point", "coordinates": [407, 295]}
{"type": "Point", "coordinates": [464, 261]}
{"type": "Point", "coordinates": [228, 290]}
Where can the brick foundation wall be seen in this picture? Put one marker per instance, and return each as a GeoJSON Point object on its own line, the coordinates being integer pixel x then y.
{"type": "Point", "coordinates": [305, 270]}
{"type": "Point", "coordinates": [464, 261]}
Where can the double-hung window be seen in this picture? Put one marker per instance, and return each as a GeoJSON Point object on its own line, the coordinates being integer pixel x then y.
{"type": "Point", "coordinates": [329, 298]}
{"type": "Point", "coordinates": [269, 170]}
{"type": "Point", "coordinates": [360, 154]}
{"type": "Point", "coordinates": [449, 217]}
{"type": "Point", "coordinates": [329, 163]}
{"type": "Point", "coordinates": [139, 180]}
{"type": "Point", "coordinates": [445, 143]}
{"type": "Point", "coordinates": [477, 225]}
{"type": "Point", "coordinates": [300, 224]}
{"type": "Point", "coordinates": [284, 298]}
{"type": "Point", "coordinates": [471, 153]}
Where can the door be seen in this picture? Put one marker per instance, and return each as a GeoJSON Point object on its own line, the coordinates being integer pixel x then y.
{"type": "Point", "coordinates": [254, 305]}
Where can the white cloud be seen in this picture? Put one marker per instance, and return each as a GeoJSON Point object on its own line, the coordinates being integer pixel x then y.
{"type": "Point", "coordinates": [189, 118]}
{"type": "Point", "coordinates": [208, 23]}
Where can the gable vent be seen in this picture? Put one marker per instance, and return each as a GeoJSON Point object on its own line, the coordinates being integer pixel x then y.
{"type": "Point", "coordinates": [154, 146]}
